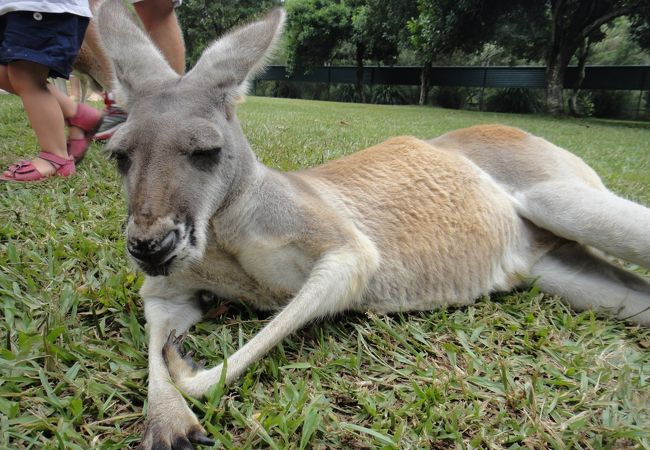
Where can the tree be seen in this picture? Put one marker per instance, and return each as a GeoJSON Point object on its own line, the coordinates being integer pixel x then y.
{"type": "Point", "coordinates": [551, 30]}
{"type": "Point", "coordinates": [571, 22]}
{"type": "Point", "coordinates": [443, 27]}
{"type": "Point", "coordinates": [202, 21]}
{"type": "Point", "coordinates": [557, 29]}
{"type": "Point", "coordinates": [620, 46]}
{"type": "Point", "coordinates": [582, 54]}
{"type": "Point", "coordinates": [320, 30]}
{"type": "Point", "coordinates": [315, 30]}
{"type": "Point", "coordinates": [377, 30]}
{"type": "Point", "coordinates": [640, 29]}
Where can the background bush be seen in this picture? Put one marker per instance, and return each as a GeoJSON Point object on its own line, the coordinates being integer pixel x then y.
{"type": "Point", "coordinates": [615, 104]}
{"type": "Point", "coordinates": [515, 100]}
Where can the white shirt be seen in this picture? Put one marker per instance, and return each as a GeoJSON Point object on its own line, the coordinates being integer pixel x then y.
{"type": "Point", "coordinates": [77, 7]}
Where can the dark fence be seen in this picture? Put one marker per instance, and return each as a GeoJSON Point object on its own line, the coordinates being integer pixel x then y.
{"type": "Point", "coordinates": [631, 78]}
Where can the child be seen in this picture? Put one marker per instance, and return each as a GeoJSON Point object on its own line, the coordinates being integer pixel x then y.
{"type": "Point", "coordinates": [37, 40]}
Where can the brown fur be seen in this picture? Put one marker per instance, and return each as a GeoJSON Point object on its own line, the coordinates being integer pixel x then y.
{"type": "Point", "coordinates": [427, 211]}
{"type": "Point", "coordinates": [505, 153]}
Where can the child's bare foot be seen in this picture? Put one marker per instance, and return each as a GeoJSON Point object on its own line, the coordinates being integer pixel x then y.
{"type": "Point", "coordinates": [45, 168]}
{"type": "Point", "coordinates": [75, 133]}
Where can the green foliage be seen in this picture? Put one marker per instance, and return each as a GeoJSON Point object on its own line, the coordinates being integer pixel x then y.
{"type": "Point", "coordinates": [357, 29]}
{"type": "Point", "coordinates": [466, 32]}
{"type": "Point", "coordinates": [284, 89]}
{"type": "Point", "coordinates": [443, 27]}
{"type": "Point", "coordinates": [450, 97]}
{"type": "Point", "coordinates": [379, 26]}
{"type": "Point", "coordinates": [203, 21]}
{"type": "Point", "coordinates": [585, 104]}
{"type": "Point", "coordinates": [515, 100]}
{"type": "Point", "coordinates": [641, 30]}
{"type": "Point", "coordinates": [560, 28]}
{"type": "Point", "coordinates": [377, 94]}
{"type": "Point", "coordinates": [614, 104]}
{"type": "Point", "coordinates": [318, 31]}
{"type": "Point", "coordinates": [522, 371]}
{"type": "Point", "coordinates": [314, 31]}
{"type": "Point", "coordinates": [618, 46]}
{"type": "Point", "coordinates": [343, 93]}
{"type": "Point", "coordinates": [548, 30]}
{"type": "Point", "coordinates": [550, 27]}
{"type": "Point", "coordinates": [388, 95]}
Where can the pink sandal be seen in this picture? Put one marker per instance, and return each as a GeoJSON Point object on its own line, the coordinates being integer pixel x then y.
{"type": "Point", "coordinates": [88, 120]}
{"type": "Point", "coordinates": [25, 171]}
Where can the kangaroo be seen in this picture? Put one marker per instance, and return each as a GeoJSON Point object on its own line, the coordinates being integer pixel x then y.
{"type": "Point", "coordinates": [404, 225]}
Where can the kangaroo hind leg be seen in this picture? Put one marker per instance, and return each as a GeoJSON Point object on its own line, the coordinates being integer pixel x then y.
{"type": "Point", "coordinates": [593, 217]}
{"type": "Point", "coordinates": [586, 281]}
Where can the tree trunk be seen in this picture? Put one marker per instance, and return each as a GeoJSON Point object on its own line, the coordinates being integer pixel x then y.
{"type": "Point", "coordinates": [358, 86]}
{"type": "Point", "coordinates": [583, 51]}
{"type": "Point", "coordinates": [555, 63]}
{"type": "Point", "coordinates": [425, 80]}
{"type": "Point", "coordinates": [555, 70]}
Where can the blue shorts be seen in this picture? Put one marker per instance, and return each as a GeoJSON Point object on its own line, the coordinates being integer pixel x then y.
{"type": "Point", "coordinates": [50, 39]}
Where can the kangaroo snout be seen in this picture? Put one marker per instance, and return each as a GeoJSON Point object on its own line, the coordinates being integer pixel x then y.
{"type": "Point", "coordinates": [154, 255]}
{"type": "Point", "coordinates": [162, 244]}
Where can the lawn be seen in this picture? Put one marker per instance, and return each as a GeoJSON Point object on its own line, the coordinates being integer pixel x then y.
{"type": "Point", "coordinates": [517, 371]}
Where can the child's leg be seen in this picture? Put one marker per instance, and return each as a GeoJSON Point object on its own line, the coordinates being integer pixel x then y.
{"type": "Point", "coordinates": [29, 81]}
{"type": "Point", "coordinates": [68, 108]}
{"type": "Point", "coordinates": [159, 19]}
{"type": "Point", "coordinates": [75, 89]}
{"type": "Point", "coordinates": [4, 79]}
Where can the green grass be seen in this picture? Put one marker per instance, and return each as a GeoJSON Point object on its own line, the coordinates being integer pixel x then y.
{"type": "Point", "coordinates": [522, 371]}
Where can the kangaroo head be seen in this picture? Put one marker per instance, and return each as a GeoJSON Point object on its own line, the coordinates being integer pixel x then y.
{"type": "Point", "coordinates": [181, 153]}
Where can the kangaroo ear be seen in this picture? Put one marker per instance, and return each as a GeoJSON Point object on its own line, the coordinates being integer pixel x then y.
{"type": "Point", "coordinates": [136, 61]}
{"type": "Point", "coordinates": [239, 54]}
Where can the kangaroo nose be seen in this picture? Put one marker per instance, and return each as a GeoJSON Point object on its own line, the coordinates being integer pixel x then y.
{"type": "Point", "coordinates": [151, 252]}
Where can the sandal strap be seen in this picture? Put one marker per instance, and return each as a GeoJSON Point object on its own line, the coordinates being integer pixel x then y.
{"type": "Point", "coordinates": [56, 161]}
{"type": "Point", "coordinates": [27, 167]}
{"type": "Point", "coordinates": [18, 167]}
{"type": "Point", "coordinates": [15, 166]}
{"type": "Point", "coordinates": [26, 171]}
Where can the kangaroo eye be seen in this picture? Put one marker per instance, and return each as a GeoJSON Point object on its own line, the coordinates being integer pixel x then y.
{"type": "Point", "coordinates": [205, 159]}
{"type": "Point", "coordinates": [122, 161]}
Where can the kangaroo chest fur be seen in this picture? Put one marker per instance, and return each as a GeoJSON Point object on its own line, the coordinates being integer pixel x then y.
{"type": "Point", "coordinates": [265, 277]}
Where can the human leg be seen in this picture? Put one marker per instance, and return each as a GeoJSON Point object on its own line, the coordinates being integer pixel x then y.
{"type": "Point", "coordinates": [159, 20]}
{"type": "Point", "coordinates": [82, 121]}
{"type": "Point", "coordinates": [75, 88]}
{"type": "Point", "coordinates": [68, 108]}
{"type": "Point", "coordinates": [33, 48]}
{"type": "Point", "coordinates": [29, 81]}
{"type": "Point", "coordinates": [4, 79]}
